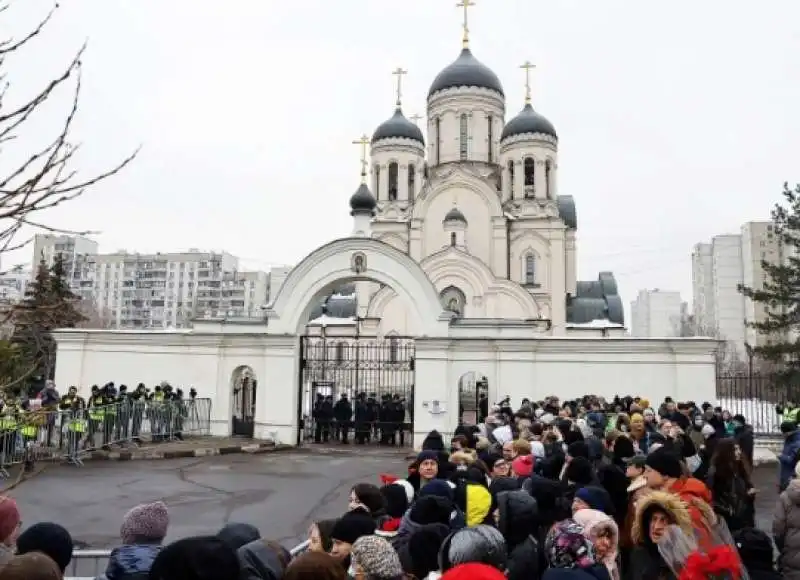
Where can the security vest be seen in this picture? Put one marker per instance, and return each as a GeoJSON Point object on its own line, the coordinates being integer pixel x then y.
{"type": "Point", "coordinates": [792, 414]}
{"type": "Point", "coordinates": [29, 428]}
{"type": "Point", "coordinates": [111, 406]}
{"type": "Point", "coordinates": [77, 424]}
{"type": "Point", "coordinates": [96, 413]}
{"type": "Point", "coordinates": [7, 420]}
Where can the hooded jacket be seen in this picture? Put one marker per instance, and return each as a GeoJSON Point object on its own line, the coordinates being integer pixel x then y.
{"type": "Point", "coordinates": [593, 521]}
{"type": "Point", "coordinates": [518, 524]}
{"type": "Point", "coordinates": [786, 530]}
{"type": "Point", "coordinates": [645, 560]}
{"type": "Point", "coordinates": [258, 561]}
{"type": "Point", "coordinates": [698, 500]}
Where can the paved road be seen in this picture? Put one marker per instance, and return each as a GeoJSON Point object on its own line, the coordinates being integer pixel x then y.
{"type": "Point", "coordinates": [280, 493]}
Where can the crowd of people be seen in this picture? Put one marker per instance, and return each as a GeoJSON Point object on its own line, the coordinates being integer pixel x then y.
{"type": "Point", "coordinates": [554, 490]}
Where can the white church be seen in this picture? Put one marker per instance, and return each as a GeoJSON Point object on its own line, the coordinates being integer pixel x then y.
{"type": "Point", "coordinates": [461, 264]}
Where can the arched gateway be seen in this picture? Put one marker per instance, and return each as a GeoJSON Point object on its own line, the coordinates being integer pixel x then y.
{"type": "Point", "coordinates": [352, 365]}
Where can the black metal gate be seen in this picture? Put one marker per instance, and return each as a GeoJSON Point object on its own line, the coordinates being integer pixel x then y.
{"type": "Point", "coordinates": [244, 406]}
{"type": "Point", "coordinates": [356, 390]}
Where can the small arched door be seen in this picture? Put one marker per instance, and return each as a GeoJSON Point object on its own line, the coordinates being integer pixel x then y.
{"type": "Point", "coordinates": [244, 402]}
{"type": "Point", "coordinates": [473, 392]}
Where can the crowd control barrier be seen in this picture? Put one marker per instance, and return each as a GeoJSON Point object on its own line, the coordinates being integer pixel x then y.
{"type": "Point", "coordinates": [89, 564]}
{"type": "Point", "coordinates": [30, 436]}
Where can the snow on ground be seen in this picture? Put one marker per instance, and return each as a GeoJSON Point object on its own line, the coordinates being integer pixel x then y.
{"type": "Point", "coordinates": [760, 414]}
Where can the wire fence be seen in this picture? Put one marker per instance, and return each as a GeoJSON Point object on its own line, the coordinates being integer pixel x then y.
{"type": "Point", "coordinates": [41, 435]}
{"type": "Point", "coordinates": [90, 564]}
{"type": "Point", "coordinates": [759, 398]}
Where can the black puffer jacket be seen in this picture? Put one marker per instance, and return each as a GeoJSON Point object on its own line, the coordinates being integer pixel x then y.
{"type": "Point", "coordinates": [518, 524]}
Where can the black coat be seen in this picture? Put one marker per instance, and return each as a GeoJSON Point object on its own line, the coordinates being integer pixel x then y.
{"type": "Point", "coordinates": [518, 524]}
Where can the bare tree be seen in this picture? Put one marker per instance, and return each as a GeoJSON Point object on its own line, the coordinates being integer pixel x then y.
{"type": "Point", "coordinates": [94, 316]}
{"type": "Point", "coordinates": [45, 178]}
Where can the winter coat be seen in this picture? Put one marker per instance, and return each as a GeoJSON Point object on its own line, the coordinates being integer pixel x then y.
{"type": "Point", "coordinates": [517, 522]}
{"type": "Point", "coordinates": [699, 501]}
{"type": "Point", "coordinates": [731, 500]}
{"type": "Point", "coordinates": [258, 561]}
{"type": "Point", "coordinates": [645, 560]}
{"type": "Point", "coordinates": [131, 562]}
{"type": "Point", "coordinates": [596, 572]}
{"type": "Point", "coordinates": [788, 458]}
{"type": "Point", "coordinates": [786, 530]}
{"type": "Point", "coordinates": [614, 481]}
{"type": "Point", "coordinates": [593, 522]}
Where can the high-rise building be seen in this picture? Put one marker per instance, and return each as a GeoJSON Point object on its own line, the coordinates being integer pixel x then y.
{"type": "Point", "coordinates": [73, 250]}
{"type": "Point", "coordinates": [718, 269]}
{"type": "Point", "coordinates": [656, 314]}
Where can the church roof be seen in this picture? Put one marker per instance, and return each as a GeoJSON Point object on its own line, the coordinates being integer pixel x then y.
{"type": "Point", "coordinates": [454, 215]}
{"type": "Point", "coordinates": [341, 304]}
{"type": "Point", "coordinates": [466, 71]}
{"type": "Point", "coordinates": [398, 126]}
{"type": "Point", "coordinates": [567, 212]}
{"type": "Point", "coordinates": [596, 300]}
{"type": "Point", "coordinates": [362, 201]}
{"type": "Point", "coordinates": [528, 121]}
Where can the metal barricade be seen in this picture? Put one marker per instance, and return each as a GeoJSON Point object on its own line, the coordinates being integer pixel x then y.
{"type": "Point", "coordinates": [40, 435]}
{"type": "Point", "coordinates": [89, 564]}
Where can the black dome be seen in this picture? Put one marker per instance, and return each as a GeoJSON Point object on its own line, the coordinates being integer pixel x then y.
{"type": "Point", "coordinates": [454, 215]}
{"type": "Point", "coordinates": [362, 200]}
{"type": "Point", "coordinates": [398, 127]}
{"type": "Point", "coordinates": [466, 71]}
{"type": "Point", "coordinates": [528, 121]}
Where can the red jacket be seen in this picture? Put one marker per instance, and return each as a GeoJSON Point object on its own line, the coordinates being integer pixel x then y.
{"type": "Point", "coordinates": [698, 498]}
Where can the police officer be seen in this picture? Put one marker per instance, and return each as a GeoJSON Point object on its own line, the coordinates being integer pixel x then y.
{"type": "Point", "coordinates": [122, 402]}
{"type": "Point", "coordinates": [76, 426]}
{"type": "Point", "coordinates": [65, 407]}
{"type": "Point", "coordinates": [138, 402]}
{"type": "Point", "coordinates": [8, 432]}
{"type": "Point", "coordinates": [97, 414]}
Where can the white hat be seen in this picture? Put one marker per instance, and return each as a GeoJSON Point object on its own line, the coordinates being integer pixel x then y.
{"type": "Point", "coordinates": [637, 483]}
{"type": "Point", "coordinates": [537, 450]}
{"type": "Point", "coordinates": [707, 431]}
{"type": "Point", "coordinates": [407, 487]}
{"type": "Point", "coordinates": [538, 412]}
{"type": "Point", "coordinates": [547, 419]}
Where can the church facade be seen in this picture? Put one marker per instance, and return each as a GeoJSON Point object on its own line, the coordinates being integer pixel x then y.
{"type": "Point", "coordinates": [475, 202]}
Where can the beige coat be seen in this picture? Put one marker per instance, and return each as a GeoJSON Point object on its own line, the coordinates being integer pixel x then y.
{"type": "Point", "coordinates": [786, 529]}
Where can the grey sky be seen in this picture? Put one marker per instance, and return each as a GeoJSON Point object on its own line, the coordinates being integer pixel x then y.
{"type": "Point", "coordinates": [676, 123]}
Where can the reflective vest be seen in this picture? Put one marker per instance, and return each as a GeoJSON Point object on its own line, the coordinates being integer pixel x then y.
{"type": "Point", "coordinates": [8, 422]}
{"type": "Point", "coordinates": [28, 429]}
{"type": "Point", "coordinates": [111, 408]}
{"type": "Point", "coordinates": [96, 413]}
{"type": "Point", "coordinates": [77, 425]}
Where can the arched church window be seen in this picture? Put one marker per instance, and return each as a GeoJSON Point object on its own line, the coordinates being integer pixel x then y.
{"type": "Point", "coordinates": [393, 169]}
{"type": "Point", "coordinates": [490, 137]}
{"type": "Point", "coordinates": [464, 136]}
{"type": "Point", "coordinates": [453, 300]}
{"type": "Point", "coordinates": [453, 239]}
{"type": "Point", "coordinates": [548, 175]}
{"type": "Point", "coordinates": [530, 176]}
{"type": "Point", "coordinates": [511, 178]}
{"type": "Point", "coordinates": [530, 269]}
{"type": "Point", "coordinates": [438, 140]}
{"type": "Point", "coordinates": [412, 178]}
{"type": "Point", "coordinates": [376, 187]}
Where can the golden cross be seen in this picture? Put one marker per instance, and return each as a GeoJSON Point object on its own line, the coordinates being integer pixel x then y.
{"type": "Point", "coordinates": [465, 4]}
{"type": "Point", "coordinates": [528, 67]}
{"type": "Point", "coordinates": [415, 118]}
{"type": "Point", "coordinates": [399, 72]}
{"type": "Point", "coordinates": [363, 141]}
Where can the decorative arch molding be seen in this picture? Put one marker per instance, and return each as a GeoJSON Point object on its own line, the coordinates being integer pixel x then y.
{"type": "Point", "coordinates": [394, 240]}
{"type": "Point", "coordinates": [379, 301]}
{"type": "Point", "coordinates": [331, 265]}
{"type": "Point", "coordinates": [534, 239]}
{"type": "Point", "coordinates": [452, 266]}
{"type": "Point", "coordinates": [455, 177]}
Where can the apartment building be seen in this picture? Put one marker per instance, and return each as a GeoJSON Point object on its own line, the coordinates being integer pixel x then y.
{"type": "Point", "coordinates": [718, 268]}
{"type": "Point", "coordinates": [657, 314]}
{"type": "Point", "coordinates": [73, 249]}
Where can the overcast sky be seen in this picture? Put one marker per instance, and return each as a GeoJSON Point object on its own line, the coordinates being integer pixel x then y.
{"type": "Point", "coordinates": [675, 124]}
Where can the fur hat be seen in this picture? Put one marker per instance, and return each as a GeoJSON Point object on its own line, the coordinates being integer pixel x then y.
{"type": "Point", "coordinates": [672, 505]}
{"type": "Point", "coordinates": [147, 522]}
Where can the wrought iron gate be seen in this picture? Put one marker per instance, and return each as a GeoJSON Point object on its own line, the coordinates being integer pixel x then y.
{"type": "Point", "coordinates": [359, 389]}
{"type": "Point", "coordinates": [244, 406]}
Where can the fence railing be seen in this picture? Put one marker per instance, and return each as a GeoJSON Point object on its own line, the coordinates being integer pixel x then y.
{"type": "Point", "coordinates": [89, 564]}
{"type": "Point", "coordinates": [30, 436]}
{"type": "Point", "coordinates": [756, 397]}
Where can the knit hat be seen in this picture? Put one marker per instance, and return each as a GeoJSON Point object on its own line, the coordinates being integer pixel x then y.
{"type": "Point", "coordinates": [424, 546]}
{"type": "Point", "coordinates": [236, 535]}
{"type": "Point", "coordinates": [48, 538]}
{"type": "Point", "coordinates": [579, 471]}
{"type": "Point", "coordinates": [479, 544]}
{"type": "Point", "coordinates": [352, 526]}
{"type": "Point", "coordinates": [196, 558]}
{"type": "Point", "coordinates": [566, 546]}
{"type": "Point", "coordinates": [665, 462]}
{"type": "Point", "coordinates": [523, 465]}
{"type": "Point", "coordinates": [637, 418]}
{"type": "Point", "coordinates": [316, 565]}
{"type": "Point", "coordinates": [9, 517]}
{"type": "Point", "coordinates": [473, 572]}
{"type": "Point", "coordinates": [578, 449]}
{"type": "Point", "coordinates": [427, 455]}
{"type": "Point", "coordinates": [33, 566]}
{"type": "Point", "coordinates": [594, 497]}
{"type": "Point", "coordinates": [644, 403]}
{"type": "Point", "coordinates": [437, 487]}
{"type": "Point", "coordinates": [377, 558]}
{"type": "Point", "coordinates": [145, 522]}
{"type": "Point", "coordinates": [431, 509]}
{"type": "Point", "coordinates": [396, 500]}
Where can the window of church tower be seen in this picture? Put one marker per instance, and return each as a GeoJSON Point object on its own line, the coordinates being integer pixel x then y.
{"type": "Point", "coordinates": [376, 187]}
{"type": "Point", "coordinates": [511, 178]}
{"type": "Point", "coordinates": [490, 121]}
{"type": "Point", "coordinates": [438, 140]}
{"type": "Point", "coordinates": [530, 269]}
{"type": "Point", "coordinates": [393, 169]}
{"type": "Point", "coordinates": [411, 180]}
{"type": "Point", "coordinates": [453, 239]}
{"type": "Point", "coordinates": [548, 175]}
{"type": "Point", "coordinates": [464, 135]}
{"type": "Point", "coordinates": [530, 176]}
